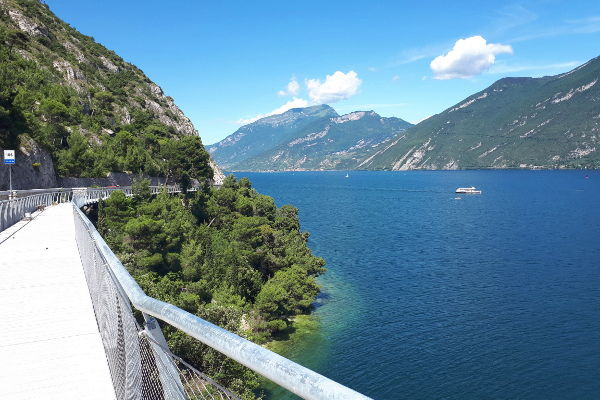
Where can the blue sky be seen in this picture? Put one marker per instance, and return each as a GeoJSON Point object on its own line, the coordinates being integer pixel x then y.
{"type": "Point", "coordinates": [228, 62]}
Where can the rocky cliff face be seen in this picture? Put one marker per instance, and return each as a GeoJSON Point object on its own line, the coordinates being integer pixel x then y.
{"type": "Point", "coordinates": [218, 176]}
{"type": "Point", "coordinates": [79, 62]}
{"type": "Point", "coordinates": [33, 169]}
{"type": "Point", "coordinates": [101, 94]}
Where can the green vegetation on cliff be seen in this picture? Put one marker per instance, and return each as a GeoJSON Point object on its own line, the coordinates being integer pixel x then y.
{"type": "Point", "coordinates": [91, 111]}
{"type": "Point", "coordinates": [228, 255]}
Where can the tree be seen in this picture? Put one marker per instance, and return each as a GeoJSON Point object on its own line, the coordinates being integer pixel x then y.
{"type": "Point", "coordinates": [186, 160]}
{"type": "Point", "coordinates": [113, 214]}
{"type": "Point", "coordinates": [289, 292]}
{"type": "Point", "coordinates": [141, 189]}
{"type": "Point", "coordinates": [54, 110]}
{"type": "Point", "coordinates": [104, 99]}
{"type": "Point", "coordinates": [228, 255]}
{"type": "Point", "coordinates": [78, 157]}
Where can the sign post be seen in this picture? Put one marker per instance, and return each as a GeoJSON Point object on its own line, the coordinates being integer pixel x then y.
{"type": "Point", "coordinates": [9, 159]}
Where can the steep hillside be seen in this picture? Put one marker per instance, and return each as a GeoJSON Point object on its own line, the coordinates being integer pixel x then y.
{"type": "Point", "coordinates": [337, 143]}
{"type": "Point", "coordinates": [71, 106]}
{"type": "Point", "coordinates": [311, 138]}
{"type": "Point", "coordinates": [549, 122]}
{"type": "Point", "coordinates": [266, 133]}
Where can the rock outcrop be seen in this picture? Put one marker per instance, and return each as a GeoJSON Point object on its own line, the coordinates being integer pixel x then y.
{"type": "Point", "coordinates": [218, 176]}
{"type": "Point", "coordinates": [33, 168]}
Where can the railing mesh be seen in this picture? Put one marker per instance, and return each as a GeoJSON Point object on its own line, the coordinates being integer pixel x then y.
{"type": "Point", "coordinates": [14, 205]}
{"type": "Point", "coordinates": [186, 382]}
{"type": "Point", "coordinates": [140, 368]}
{"type": "Point", "coordinates": [116, 323]}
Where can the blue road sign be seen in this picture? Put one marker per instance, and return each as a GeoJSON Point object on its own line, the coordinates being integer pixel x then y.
{"type": "Point", "coordinates": [9, 156]}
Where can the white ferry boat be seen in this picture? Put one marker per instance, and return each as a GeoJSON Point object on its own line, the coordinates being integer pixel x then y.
{"type": "Point", "coordinates": [468, 190]}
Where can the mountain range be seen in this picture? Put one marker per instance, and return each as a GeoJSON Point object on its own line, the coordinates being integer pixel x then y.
{"type": "Point", "coordinates": [311, 138]}
{"type": "Point", "coordinates": [547, 122]}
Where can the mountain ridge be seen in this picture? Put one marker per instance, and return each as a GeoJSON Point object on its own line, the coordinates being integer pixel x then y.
{"type": "Point", "coordinates": [517, 122]}
{"type": "Point", "coordinates": [265, 133]}
{"type": "Point", "coordinates": [328, 142]}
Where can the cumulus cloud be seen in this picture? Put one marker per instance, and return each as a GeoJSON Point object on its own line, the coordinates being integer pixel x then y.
{"type": "Point", "coordinates": [292, 89]}
{"type": "Point", "coordinates": [336, 87]}
{"type": "Point", "coordinates": [294, 103]}
{"type": "Point", "coordinates": [468, 57]}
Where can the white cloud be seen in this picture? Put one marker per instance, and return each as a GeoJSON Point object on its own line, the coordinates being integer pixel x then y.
{"type": "Point", "coordinates": [292, 89]}
{"type": "Point", "coordinates": [336, 87]}
{"type": "Point", "coordinates": [294, 103]}
{"type": "Point", "coordinates": [510, 17]}
{"type": "Point", "coordinates": [586, 25]}
{"type": "Point", "coordinates": [415, 54]}
{"type": "Point", "coordinates": [395, 77]}
{"type": "Point", "coordinates": [468, 57]}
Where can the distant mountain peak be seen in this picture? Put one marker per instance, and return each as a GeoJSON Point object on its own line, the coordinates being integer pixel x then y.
{"type": "Point", "coordinates": [353, 116]}
{"type": "Point", "coordinates": [309, 138]}
{"type": "Point", "coordinates": [294, 114]}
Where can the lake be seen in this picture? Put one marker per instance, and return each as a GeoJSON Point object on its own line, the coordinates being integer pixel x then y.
{"type": "Point", "coordinates": [430, 295]}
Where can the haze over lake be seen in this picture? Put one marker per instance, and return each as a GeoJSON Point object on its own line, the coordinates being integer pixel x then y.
{"type": "Point", "coordinates": [428, 296]}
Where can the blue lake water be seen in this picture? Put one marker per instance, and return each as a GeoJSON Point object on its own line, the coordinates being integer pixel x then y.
{"type": "Point", "coordinates": [492, 296]}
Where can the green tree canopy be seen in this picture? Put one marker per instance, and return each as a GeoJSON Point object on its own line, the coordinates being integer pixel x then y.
{"type": "Point", "coordinates": [185, 160]}
{"type": "Point", "coordinates": [228, 255]}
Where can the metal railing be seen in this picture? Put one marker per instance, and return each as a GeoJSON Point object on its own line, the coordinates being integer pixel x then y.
{"type": "Point", "coordinates": [16, 204]}
{"type": "Point", "coordinates": [294, 377]}
{"type": "Point", "coordinates": [145, 368]}
{"type": "Point", "coordinates": [15, 209]}
{"type": "Point", "coordinates": [140, 364]}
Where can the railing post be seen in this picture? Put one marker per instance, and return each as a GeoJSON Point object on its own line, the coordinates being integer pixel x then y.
{"type": "Point", "coordinates": [167, 370]}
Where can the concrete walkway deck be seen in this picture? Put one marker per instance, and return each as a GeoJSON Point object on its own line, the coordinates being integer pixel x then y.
{"type": "Point", "coordinates": [50, 347]}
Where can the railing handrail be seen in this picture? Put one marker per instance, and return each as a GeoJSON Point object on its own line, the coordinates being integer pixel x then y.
{"type": "Point", "coordinates": [286, 373]}
{"type": "Point", "coordinates": [70, 189]}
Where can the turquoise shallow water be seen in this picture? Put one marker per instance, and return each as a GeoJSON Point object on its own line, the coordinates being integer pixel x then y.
{"type": "Point", "coordinates": [494, 296]}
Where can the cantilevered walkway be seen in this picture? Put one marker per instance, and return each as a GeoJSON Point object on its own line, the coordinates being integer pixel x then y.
{"type": "Point", "coordinates": [50, 345]}
{"type": "Point", "coordinates": [67, 327]}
